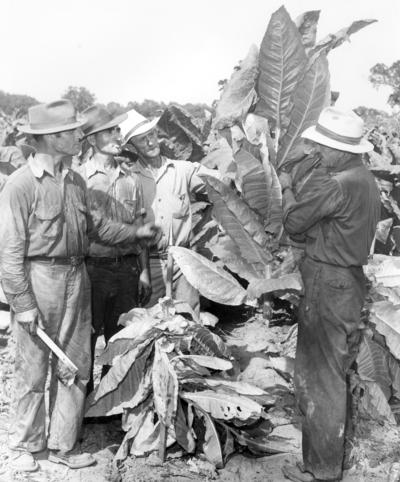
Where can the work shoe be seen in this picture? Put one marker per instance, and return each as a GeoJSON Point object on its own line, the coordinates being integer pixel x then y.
{"type": "Point", "coordinates": [73, 459]}
{"type": "Point", "coordinates": [22, 461]}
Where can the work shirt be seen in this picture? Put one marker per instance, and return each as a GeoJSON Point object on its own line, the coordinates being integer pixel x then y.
{"type": "Point", "coordinates": [44, 217]}
{"type": "Point", "coordinates": [113, 194]}
{"type": "Point", "coordinates": [167, 196]}
{"type": "Point", "coordinates": [337, 210]}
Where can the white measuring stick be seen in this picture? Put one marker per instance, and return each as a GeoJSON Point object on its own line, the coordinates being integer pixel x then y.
{"type": "Point", "coordinates": [56, 350]}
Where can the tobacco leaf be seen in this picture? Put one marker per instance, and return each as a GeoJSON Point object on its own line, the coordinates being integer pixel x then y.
{"type": "Point", "coordinates": [209, 279]}
{"type": "Point", "coordinates": [165, 386]}
{"type": "Point", "coordinates": [239, 222]}
{"type": "Point", "coordinates": [183, 431]}
{"type": "Point", "coordinates": [211, 445]}
{"type": "Point", "coordinates": [307, 24]}
{"type": "Point", "coordinates": [224, 407]}
{"type": "Point", "coordinates": [239, 94]}
{"type": "Point", "coordinates": [220, 156]}
{"type": "Point", "coordinates": [204, 342]}
{"type": "Point", "coordinates": [310, 97]}
{"type": "Point", "coordinates": [373, 403]}
{"type": "Point", "coordinates": [208, 361]}
{"type": "Point", "coordinates": [282, 61]}
{"type": "Point", "coordinates": [385, 316]}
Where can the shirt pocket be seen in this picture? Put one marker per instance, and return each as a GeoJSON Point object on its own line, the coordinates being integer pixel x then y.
{"type": "Point", "coordinates": [49, 217]}
{"type": "Point", "coordinates": [180, 206]}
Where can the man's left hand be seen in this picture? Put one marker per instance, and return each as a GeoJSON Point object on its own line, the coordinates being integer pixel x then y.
{"type": "Point", "coordinates": [285, 180]}
{"type": "Point", "coordinates": [144, 287]}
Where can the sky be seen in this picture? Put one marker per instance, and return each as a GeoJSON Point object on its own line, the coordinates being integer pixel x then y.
{"type": "Point", "coordinates": [175, 50]}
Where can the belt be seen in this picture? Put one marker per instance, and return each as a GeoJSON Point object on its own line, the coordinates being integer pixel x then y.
{"type": "Point", "coordinates": [71, 260]}
{"type": "Point", "coordinates": [107, 261]}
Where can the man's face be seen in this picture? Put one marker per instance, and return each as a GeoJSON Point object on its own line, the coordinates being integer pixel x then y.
{"type": "Point", "coordinates": [67, 142]}
{"type": "Point", "coordinates": [108, 141]}
{"type": "Point", "coordinates": [147, 144]}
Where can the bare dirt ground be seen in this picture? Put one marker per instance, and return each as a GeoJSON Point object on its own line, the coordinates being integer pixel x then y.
{"type": "Point", "coordinates": [376, 446]}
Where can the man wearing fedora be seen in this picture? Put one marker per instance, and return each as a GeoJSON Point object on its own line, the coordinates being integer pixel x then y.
{"type": "Point", "coordinates": [44, 237]}
{"type": "Point", "coordinates": [337, 212]}
{"type": "Point", "coordinates": [168, 189]}
{"type": "Point", "coordinates": [118, 274]}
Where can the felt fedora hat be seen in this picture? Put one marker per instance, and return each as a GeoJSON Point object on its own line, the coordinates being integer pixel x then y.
{"type": "Point", "coordinates": [136, 124]}
{"type": "Point", "coordinates": [339, 130]}
{"type": "Point", "coordinates": [99, 119]}
{"type": "Point", "coordinates": [51, 118]}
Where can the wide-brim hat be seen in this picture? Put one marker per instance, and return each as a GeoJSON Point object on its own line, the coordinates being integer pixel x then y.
{"type": "Point", "coordinates": [339, 130]}
{"type": "Point", "coordinates": [51, 118]}
{"type": "Point", "coordinates": [136, 124]}
{"type": "Point", "coordinates": [99, 119]}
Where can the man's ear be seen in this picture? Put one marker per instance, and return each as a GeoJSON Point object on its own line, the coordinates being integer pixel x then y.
{"type": "Point", "coordinates": [91, 140]}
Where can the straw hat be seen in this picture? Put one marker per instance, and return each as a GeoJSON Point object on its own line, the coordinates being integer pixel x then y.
{"type": "Point", "coordinates": [99, 119]}
{"type": "Point", "coordinates": [136, 124]}
{"type": "Point", "coordinates": [51, 118]}
{"type": "Point", "coordinates": [339, 130]}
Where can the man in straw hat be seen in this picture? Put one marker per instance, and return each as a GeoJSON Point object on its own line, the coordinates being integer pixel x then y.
{"type": "Point", "coordinates": [337, 212]}
{"type": "Point", "coordinates": [168, 188]}
{"type": "Point", "coordinates": [117, 273]}
{"type": "Point", "coordinates": [43, 242]}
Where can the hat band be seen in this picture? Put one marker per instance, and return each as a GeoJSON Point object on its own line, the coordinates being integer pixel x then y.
{"type": "Point", "coordinates": [47, 125]}
{"type": "Point", "coordinates": [129, 134]}
{"type": "Point", "coordinates": [337, 137]}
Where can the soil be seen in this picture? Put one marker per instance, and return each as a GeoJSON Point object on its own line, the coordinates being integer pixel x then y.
{"type": "Point", "coordinates": [376, 446]}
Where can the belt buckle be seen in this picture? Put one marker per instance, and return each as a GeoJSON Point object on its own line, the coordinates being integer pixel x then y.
{"type": "Point", "coordinates": [75, 261]}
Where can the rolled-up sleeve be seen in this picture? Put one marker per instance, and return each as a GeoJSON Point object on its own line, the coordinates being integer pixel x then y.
{"type": "Point", "coordinates": [14, 207]}
{"type": "Point", "coordinates": [322, 197]}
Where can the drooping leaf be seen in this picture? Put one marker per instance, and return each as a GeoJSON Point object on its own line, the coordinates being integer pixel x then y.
{"type": "Point", "coordinates": [385, 317]}
{"type": "Point", "coordinates": [165, 386]}
{"type": "Point", "coordinates": [335, 40]}
{"type": "Point", "coordinates": [289, 282]}
{"type": "Point", "coordinates": [183, 431]}
{"type": "Point", "coordinates": [211, 445]}
{"type": "Point", "coordinates": [240, 222]}
{"type": "Point", "coordinates": [239, 94]}
{"type": "Point", "coordinates": [310, 97]}
{"type": "Point", "coordinates": [229, 254]}
{"type": "Point", "coordinates": [111, 398]}
{"type": "Point", "coordinates": [307, 24]}
{"type": "Point", "coordinates": [281, 63]}
{"type": "Point", "coordinates": [224, 407]}
{"type": "Point", "coordinates": [372, 364]}
{"type": "Point", "coordinates": [180, 137]}
{"type": "Point", "coordinates": [208, 361]}
{"type": "Point", "coordinates": [209, 279]}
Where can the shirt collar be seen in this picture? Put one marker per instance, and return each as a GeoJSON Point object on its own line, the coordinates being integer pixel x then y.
{"type": "Point", "coordinates": [141, 168]}
{"type": "Point", "coordinates": [93, 166]}
{"type": "Point", "coordinates": [40, 163]}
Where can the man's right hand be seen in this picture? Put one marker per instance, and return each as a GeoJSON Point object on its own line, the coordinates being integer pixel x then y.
{"type": "Point", "coordinates": [29, 320]}
{"type": "Point", "coordinates": [147, 232]}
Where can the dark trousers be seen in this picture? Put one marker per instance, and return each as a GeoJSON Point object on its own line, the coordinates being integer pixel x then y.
{"type": "Point", "coordinates": [328, 338]}
{"type": "Point", "coordinates": [114, 291]}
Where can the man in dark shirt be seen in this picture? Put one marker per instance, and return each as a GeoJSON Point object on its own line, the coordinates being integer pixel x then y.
{"type": "Point", "coordinates": [337, 212]}
{"type": "Point", "coordinates": [44, 237]}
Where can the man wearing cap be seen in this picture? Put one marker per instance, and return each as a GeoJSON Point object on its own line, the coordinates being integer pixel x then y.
{"type": "Point", "coordinates": [43, 242]}
{"type": "Point", "coordinates": [168, 188]}
{"type": "Point", "coordinates": [337, 213]}
{"type": "Point", "coordinates": [117, 273]}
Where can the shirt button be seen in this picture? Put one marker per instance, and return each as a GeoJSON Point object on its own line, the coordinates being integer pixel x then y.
{"type": "Point", "coordinates": [161, 217]}
{"type": "Point", "coordinates": [159, 199]}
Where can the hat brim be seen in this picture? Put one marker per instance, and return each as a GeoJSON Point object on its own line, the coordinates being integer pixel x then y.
{"type": "Point", "coordinates": [313, 135]}
{"type": "Point", "coordinates": [51, 130]}
{"type": "Point", "coordinates": [142, 129]}
{"type": "Point", "coordinates": [108, 125]}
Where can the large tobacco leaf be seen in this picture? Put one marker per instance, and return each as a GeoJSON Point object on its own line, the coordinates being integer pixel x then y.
{"type": "Point", "coordinates": [273, 220]}
{"type": "Point", "coordinates": [165, 386]}
{"type": "Point", "coordinates": [385, 317]}
{"type": "Point", "coordinates": [239, 222]}
{"type": "Point", "coordinates": [181, 138]}
{"type": "Point", "coordinates": [311, 96]}
{"type": "Point", "coordinates": [282, 61]}
{"type": "Point", "coordinates": [209, 279]}
{"type": "Point", "coordinates": [239, 94]}
{"type": "Point", "coordinates": [224, 407]}
{"type": "Point", "coordinates": [212, 448]}
{"type": "Point", "coordinates": [332, 41]}
{"type": "Point", "coordinates": [220, 156]}
{"type": "Point", "coordinates": [204, 342]}
{"type": "Point", "coordinates": [307, 24]}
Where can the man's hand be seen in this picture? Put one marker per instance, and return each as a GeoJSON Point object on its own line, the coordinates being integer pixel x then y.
{"type": "Point", "coordinates": [147, 232]}
{"type": "Point", "coordinates": [285, 180]}
{"type": "Point", "coordinates": [29, 320]}
{"type": "Point", "coordinates": [144, 287]}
